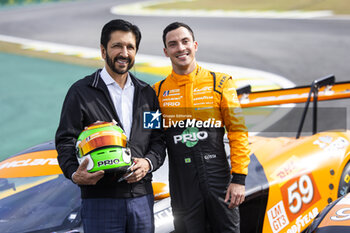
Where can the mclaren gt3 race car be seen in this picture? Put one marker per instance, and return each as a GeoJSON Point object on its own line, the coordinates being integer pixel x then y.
{"type": "Point", "coordinates": [290, 179]}
{"type": "Point", "coordinates": [335, 218]}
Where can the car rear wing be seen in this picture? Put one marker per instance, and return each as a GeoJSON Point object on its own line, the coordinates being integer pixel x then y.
{"type": "Point", "coordinates": [320, 90]}
{"type": "Point", "coordinates": [331, 91]}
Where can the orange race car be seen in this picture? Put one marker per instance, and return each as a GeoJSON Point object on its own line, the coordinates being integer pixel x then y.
{"type": "Point", "coordinates": [335, 218]}
{"type": "Point", "coordinates": [290, 180]}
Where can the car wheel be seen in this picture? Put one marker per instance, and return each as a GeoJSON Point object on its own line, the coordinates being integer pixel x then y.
{"type": "Point", "coordinates": [344, 183]}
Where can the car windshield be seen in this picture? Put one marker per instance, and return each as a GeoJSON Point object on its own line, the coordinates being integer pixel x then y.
{"type": "Point", "coordinates": [44, 203]}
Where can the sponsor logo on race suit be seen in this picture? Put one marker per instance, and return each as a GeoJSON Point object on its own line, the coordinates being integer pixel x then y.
{"type": "Point", "coordinates": [209, 156]}
{"type": "Point", "coordinates": [198, 91]}
{"type": "Point", "coordinates": [171, 92]}
{"type": "Point", "coordinates": [222, 81]}
{"type": "Point", "coordinates": [203, 103]}
{"type": "Point", "coordinates": [203, 98]}
{"type": "Point", "coordinates": [172, 98]}
{"type": "Point", "coordinates": [171, 104]}
{"type": "Point", "coordinates": [190, 137]}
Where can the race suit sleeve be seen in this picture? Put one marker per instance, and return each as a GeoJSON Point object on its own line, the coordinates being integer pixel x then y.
{"type": "Point", "coordinates": [68, 130]}
{"type": "Point", "coordinates": [237, 132]}
{"type": "Point", "coordinates": [156, 153]}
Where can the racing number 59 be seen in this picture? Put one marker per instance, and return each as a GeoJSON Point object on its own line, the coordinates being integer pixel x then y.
{"type": "Point", "coordinates": [299, 193]}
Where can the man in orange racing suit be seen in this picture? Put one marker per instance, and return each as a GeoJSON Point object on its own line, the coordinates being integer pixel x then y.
{"type": "Point", "coordinates": [196, 104]}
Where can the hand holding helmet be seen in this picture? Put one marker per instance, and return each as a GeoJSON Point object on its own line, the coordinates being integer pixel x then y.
{"type": "Point", "coordinates": [83, 177]}
{"type": "Point", "coordinates": [103, 145]}
{"type": "Point", "coordinates": [139, 170]}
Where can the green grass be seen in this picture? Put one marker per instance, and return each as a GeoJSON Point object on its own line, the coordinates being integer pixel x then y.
{"type": "Point", "coordinates": [32, 92]}
{"type": "Point", "coordinates": [340, 7]}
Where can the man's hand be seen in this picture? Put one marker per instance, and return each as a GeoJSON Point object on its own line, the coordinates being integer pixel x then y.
{"type": "Point", "coordinates": [140, 169]}
{"type": "Point", "coordinates": [83, 177]}
{"type": "Point", "coordinates": [235, 192]}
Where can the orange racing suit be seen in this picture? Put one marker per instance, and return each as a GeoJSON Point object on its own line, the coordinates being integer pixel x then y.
{"type": "Point", "coordinates": [195, 108]}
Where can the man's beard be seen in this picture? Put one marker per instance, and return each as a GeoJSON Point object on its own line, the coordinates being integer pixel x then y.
{"type": "Point", "coordinates": [111, 63]}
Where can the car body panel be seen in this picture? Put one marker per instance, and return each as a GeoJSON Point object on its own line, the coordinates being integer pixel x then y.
{"type": "Point", "coordinates": [301, 181]}
{"type": "Point", "coordinates": [38, 163]}
{"type": "Point", "coordinates": [335, 218]}
{"type": "Point", "coordinates": [302, 177]}
{"type": "Point", "coordinates": [278, 167]}
{"type": "Point", "coordinates": [299, 94]}
{"type": "Point", "coordinates": [339, 215]}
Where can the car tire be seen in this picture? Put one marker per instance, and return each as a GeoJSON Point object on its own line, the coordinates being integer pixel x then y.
{"type": "Point", "coordinates": [344, 183]}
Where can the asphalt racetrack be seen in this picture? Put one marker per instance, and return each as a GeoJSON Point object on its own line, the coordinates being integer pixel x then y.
{"type": "Point", "coordinates": [300, 50]}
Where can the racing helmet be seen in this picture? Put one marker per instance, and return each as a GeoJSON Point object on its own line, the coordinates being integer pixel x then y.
{"type": "Point", "coordinates": [104, 144]}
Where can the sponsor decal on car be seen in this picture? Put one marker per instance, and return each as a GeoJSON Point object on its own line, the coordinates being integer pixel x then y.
{"type": "Point", "coordinates": [287, 169]}
{"type": "Point", "coordinates": [277, 217]}
{"type": "Point", "coordinates": [163, 217]}
{"type": "Point", "coordinates": [326, 143]}
{"type": "Point", "coordinates": [29, 162]}
{"type": "Point", "coordinates": [37, 163]}
{"type": "Point", "coordinates": [339, 215]}
{"type": "Point", "coordinates": [342, 214]}
{"type": "Point", "coordinates": [303, 220]}
{"type": "Point", "coordinates": [339, 144]}
{"type": "Point", "coordinates": [299, 194]}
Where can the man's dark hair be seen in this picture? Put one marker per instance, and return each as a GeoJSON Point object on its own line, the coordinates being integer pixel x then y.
{"type": "Point", "coordinates": [119, 25]}
{"type": "Point", "coordinates": [174, 26]}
